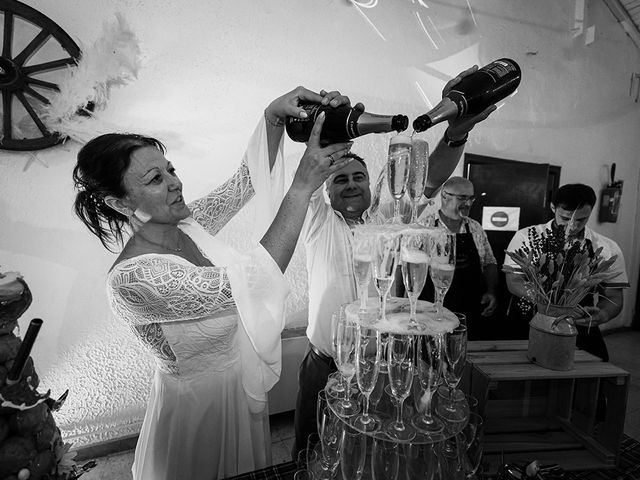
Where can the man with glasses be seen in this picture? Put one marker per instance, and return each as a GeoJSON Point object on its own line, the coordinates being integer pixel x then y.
{"type": "Point", "coordinates": [473, 289]}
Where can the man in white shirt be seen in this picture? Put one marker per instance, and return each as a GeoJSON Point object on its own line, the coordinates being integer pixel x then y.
{"type": "Point", "coordinates": [572, 205]}
{"type": "Point", "coordinates": [327, 236]}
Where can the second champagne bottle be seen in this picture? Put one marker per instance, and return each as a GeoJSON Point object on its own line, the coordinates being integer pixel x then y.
{"type": "Point", "coordinates": [342, 123]}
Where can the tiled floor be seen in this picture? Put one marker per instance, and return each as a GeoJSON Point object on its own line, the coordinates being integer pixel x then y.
{"type": "Point", "coordinates": [624, 349]}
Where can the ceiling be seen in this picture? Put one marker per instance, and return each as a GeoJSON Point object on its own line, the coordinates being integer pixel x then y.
{"type": "Point", "coordinates": [628, 14]}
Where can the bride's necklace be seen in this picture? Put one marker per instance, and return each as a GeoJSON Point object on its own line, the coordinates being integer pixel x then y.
{"type": "Point", "coordinates": [161, 245]}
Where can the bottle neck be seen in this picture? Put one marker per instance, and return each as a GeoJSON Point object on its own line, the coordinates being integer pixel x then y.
{"type": "Point", "coordinates": [445, 110]}
{"type": "Point", "coordinates": [373, 123]}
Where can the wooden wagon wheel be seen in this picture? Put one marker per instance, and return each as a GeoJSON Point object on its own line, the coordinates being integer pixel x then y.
{"type": "Point", "coordinates": [18, 76]}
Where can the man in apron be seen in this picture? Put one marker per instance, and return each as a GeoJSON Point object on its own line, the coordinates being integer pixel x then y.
{"type": "Point", "coordinates": [473, 289]}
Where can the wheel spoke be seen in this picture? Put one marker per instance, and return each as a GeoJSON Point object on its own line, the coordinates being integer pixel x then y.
{"type": "Point", "coordinates": [6, 114]}
{"type": "Point", "coordinates": [34, 44]}
{"type": "Point", "coordinates": [32, 113]}
{"type": "Point", "coordinates": [36, 94]}
{"type": "Point", "coordinates": [42, 83]}
{"type": "Point", "coordinates": [48, 65]}
{"type": "Point", "coordinates": [8, 31]}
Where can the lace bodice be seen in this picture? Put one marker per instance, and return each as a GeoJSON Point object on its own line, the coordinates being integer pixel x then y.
{"type": "Point", "coordinates": [175, 308]}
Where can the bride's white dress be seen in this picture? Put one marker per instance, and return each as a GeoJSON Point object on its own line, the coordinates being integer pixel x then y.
{"type": "Point", "coordinates": [214, 333]}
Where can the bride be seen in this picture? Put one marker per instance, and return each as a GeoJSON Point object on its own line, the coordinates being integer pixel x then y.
{"type": "Point", "coordinates": [210, 316]}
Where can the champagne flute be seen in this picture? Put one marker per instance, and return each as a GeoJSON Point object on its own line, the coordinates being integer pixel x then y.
{"type": "Point", "coordinates": [455, 354]}
{"type": "Point", "coordinates": [421, 460]}
{"type": "Point", "coordinates": [368, 348]}
{"type": "Point", "coordinates": [474, 435]}
{"type": "Point", "coordinates": [414, 253]}
{"type": "Point", "coordinates": [443, 265]}
{"type": "Point", "coordinates": [346, 363]}
{"type": "Point", "coordinates": [429, 369]}
{"type": "Point", "coordinates": [385, 460]}
{"type": "Point", "coordinates": [398, 170]}
{"type": "Point", "coordinates": [336, 389]}
{"type": "Point", "coordinates": [418, 168]}
{"type": "Point", "coordinates": [330, 440]}
{"type": "Point", "coordinates": [353, 452]}
{"type": "Point", "coordinates": [362, 258]}
{"type": "Point", "coordinates": [385, 260]}
{"type": "Point", "coordinates": [400, 361]}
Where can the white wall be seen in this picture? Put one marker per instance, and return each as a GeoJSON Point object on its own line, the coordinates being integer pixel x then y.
{"type": "Point", "coordinates": [212, 67]}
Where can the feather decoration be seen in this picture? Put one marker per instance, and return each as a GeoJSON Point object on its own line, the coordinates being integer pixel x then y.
{"type": "Point", "coordinates": [113, 60]}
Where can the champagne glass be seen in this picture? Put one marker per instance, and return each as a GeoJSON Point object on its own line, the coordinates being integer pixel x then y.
{"type": "Point", "coordinates": [353, 452]}
{"type": "Point", "coordinates": [417, 174]}
{"type": "Point", "coordinates": [474, 435]}
{"type": "Point", "coordinates": [421, 460]}
{"type": "Point", "coordinates": [303, 475]}
{"type": "Point", "coordinates": [368, 348]}
{"type": "Point", "coordinates": [336, 389]}
{"type": "Point", "coordinates": [455, 354]}
{"type": "Point", "coordinates": [321, 404]}
{"type": "Point", "coordinates": [443, 265]}
{"type": "Point", "coordinates": [414, 253]}
{"type": "Point", "coordinates": [385, 460]}
{"type": "Point", "coordinates": [400, 362]}
{"type": "Point", "coordinates": [346, 363]}
{"type": "Point", "coordinates": [398, 170]}
{"type": "Point", "coordinates": [453, 450]}
{"type": "Point", "coordinates": [429, 370]}
{"type": "Point", "coordinates": [330, 440]}
{"type": "Point", "coordinates": [385, 260]}
{"type": "Point", "coordinates": [362, 258]}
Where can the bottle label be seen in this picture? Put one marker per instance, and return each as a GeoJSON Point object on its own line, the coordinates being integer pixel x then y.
{"type": "Point", "coordinates": [498, 69]}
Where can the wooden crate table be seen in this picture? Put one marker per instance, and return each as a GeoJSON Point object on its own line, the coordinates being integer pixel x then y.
{"type": "Point", "coordinates": [553, 416]}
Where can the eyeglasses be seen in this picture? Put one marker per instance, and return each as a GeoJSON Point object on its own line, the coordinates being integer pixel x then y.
{"type": "Point", "coordinates": [461, 198]}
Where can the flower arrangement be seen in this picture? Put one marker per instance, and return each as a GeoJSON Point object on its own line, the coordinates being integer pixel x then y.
{"type": "Point", "coordinates": [558, 271]}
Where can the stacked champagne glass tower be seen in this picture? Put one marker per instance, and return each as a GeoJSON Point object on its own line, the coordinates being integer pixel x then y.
{"type": "Point", "coordinates": [393, 410]}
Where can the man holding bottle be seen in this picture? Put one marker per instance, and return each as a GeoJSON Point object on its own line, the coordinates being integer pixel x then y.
{"type": "Point", "coordinates": [327, 236]}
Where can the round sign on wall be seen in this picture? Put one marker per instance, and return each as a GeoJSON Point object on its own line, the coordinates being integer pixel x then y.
{"type": "Point", "coordinates": [499, 219]}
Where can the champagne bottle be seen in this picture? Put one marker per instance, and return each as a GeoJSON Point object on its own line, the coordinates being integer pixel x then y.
{"type": "Point", "coordinates": [474, 93]}
{"type": "Point", "coordinates": [342, 123]}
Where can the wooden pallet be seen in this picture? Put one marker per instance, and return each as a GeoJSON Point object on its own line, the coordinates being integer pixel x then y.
{"type": "Point", "coordinates": [535, 413]}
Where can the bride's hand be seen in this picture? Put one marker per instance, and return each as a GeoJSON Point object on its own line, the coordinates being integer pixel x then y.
{"type": "Point", "coordinates": [319, 162]}
{"type": "Point", "coordinates": [288, 105]}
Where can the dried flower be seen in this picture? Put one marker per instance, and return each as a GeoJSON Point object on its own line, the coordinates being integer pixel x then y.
{"type": "Point", "coordinates": [559, 271]}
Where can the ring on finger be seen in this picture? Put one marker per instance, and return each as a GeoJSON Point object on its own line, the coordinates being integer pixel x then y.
{"type": "Point", "coordinates": [331, 160]}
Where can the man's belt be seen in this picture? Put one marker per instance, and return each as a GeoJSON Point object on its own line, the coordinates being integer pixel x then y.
{"type": "Point", "coordinates": [325, 358]}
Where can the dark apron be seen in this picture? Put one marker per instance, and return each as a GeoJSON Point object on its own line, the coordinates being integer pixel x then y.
{"type": "Point", "coordinates": [467, 287]}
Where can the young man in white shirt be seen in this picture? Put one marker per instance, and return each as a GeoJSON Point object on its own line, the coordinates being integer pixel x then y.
{"type": "Point", "coordinates": [572, 205]}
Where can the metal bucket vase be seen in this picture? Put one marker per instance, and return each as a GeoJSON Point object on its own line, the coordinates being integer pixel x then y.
{"type": "Point", "coordinates": [552, 338]}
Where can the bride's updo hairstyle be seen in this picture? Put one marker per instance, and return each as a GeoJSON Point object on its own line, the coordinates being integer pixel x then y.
{"type": "Point", "coordinates": [100, 170]}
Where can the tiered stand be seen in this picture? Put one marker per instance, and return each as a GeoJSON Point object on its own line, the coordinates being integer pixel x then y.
{"type": "Point", "coordinates": [397, 319]}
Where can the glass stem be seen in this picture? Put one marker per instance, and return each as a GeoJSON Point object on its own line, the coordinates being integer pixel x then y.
{"type": "Point", "coordinates": [413, 301]}
{"type": "Point", "coordinates": [396, 209]}
{"type": "Point", "coordinates": [383, 306]}
{"type": "Point", "coordinates": [399, 411]}
{"type": "Point", "coordinates": [362, 292]}
{"type": "Point", "coordinates": [414, 211]}
{"type": "Point", "coordinates": [365, 414]}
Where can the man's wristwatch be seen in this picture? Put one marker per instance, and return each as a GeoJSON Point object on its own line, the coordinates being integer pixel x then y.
{"type": "Point", "coordinates": [454, 143]}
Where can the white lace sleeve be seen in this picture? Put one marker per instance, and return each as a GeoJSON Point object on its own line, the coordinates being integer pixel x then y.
{"type": "Point", "coordinates": [157, 289]}
{"type": "Point", "coordinates": [214, 210]}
